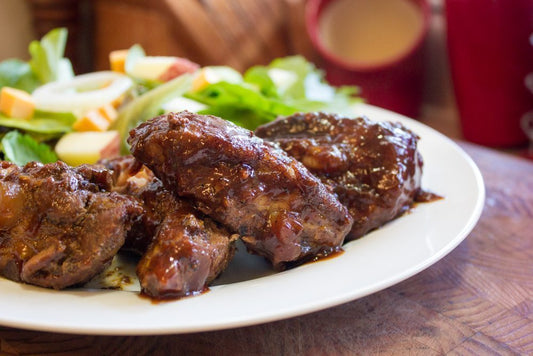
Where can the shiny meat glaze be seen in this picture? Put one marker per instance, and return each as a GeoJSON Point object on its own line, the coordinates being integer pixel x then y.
{"type": "Point", "coordinates": [182, 250]}
{"type": "Point", "coordinates": [281, 210]}
{"type": "Point", "coordinates": [59, 226]}
{"type": "Point", "coordinates": [373, 167]}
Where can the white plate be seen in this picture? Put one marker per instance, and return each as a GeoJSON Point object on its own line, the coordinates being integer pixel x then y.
{"type": "Point", "coordinates": [249, 293]}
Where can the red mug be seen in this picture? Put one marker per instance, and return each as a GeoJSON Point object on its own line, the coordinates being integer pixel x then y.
{"type": "Point", "coordinates": [490, 46]}
{"type": "Point", "coordinates": [395, 82]}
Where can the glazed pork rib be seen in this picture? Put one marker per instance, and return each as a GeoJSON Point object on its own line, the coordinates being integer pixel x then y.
{"type": "Point", "coordinates": [374, 168]}
{"type": "Point", "coordinates": [280, 209]}
{"type": "Point", "coordinates": [59, 226]}
{"type": "Point", "coordinates": [182, 250]}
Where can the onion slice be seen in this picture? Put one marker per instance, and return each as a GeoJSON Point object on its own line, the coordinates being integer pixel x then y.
{"type": "Point", "coordinates": [82, 93]}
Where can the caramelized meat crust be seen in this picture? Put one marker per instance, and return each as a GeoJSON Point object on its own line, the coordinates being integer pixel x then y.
{"type": "Point", "coordinates": [279, 208]}
{"type": "Point", "coordinates": [373, 167]}
{"type": "Point", "coordinates": [187, 254]}
{"type": "Point", "coordinates": [182, 249]}
{"type": "Point", "coordinates": [59, 226]}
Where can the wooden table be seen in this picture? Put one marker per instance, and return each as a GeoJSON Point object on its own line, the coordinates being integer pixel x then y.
{"type": "Point", "coordinates": [477, 300]}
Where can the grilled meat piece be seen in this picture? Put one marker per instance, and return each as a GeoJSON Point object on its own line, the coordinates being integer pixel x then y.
{"type": "Point", "coordinates": [59, 226]}
{"type": "Point", "coordinates": [188, 253]}
{"type": "Point", "coordinates": [182, 250]}
{"type": "Point", "coordinates": [373, 167]}
{"type": "Point", "coordinates": [278, 207]}
{"type": "Point", "coordinates": [132, 178]}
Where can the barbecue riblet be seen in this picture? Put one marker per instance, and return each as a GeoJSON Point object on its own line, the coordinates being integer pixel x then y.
{"type": "Point", "coordinates": [374, 167]}
{"type": "Point", "coordinates": [278, 207]}
{"type": "Point", "coordinates": [59, 226]}
{"type": "Point", "coordinates": [182, 250]}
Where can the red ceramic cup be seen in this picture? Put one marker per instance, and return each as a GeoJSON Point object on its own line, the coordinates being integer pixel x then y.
{"type": "Point", "coordinates": [395, 84]}
{"type": "Point", "coordinates": [491, 54]}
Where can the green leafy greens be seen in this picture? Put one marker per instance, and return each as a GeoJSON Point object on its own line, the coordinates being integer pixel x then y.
{"type": "Point", "coordinates": [43, 122]}
{"type": "Point", "coordinates": [47, 61]}
{"type": "Point", "coordinates": [21, 149]}
{"type": "Point", "coordinates": [18, 74]}
{"type": "Point", "coordinates": [285, 86]}
{"type": "Point", "coordinates": [242, 104]}
{"type": "Point", "coordinates": [47, 64]}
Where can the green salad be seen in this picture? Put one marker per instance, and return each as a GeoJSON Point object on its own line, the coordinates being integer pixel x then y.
{"type": "Point", "coordinates": [66, 114]}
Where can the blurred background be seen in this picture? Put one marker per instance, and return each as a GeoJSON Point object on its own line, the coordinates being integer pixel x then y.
{"type": "Point", "coordinates": [238, 33]}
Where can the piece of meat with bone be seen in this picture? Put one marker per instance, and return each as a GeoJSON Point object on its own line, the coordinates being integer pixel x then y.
{"type": "Point", "coordinates": [373, 167]}
{"type": "Point", "coordinates": [59, 226]}
{"type": "Point", "coordinates": [182, 250]}
{"type": "Point", "coordinates": [280, 209]}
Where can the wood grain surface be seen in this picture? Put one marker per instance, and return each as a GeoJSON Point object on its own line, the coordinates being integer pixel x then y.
{"type": "Point", "coordinates": [238, 33]}
{"type": "Point", "coordinates": [478, 300]}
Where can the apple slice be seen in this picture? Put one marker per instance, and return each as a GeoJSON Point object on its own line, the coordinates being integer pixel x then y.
{"type": "Point", "coordinates": [77, 148]}
{"type": "Point", "coordinates": [152, 67]}
{"type": "Point", "coordinates": [179, 67]}
{"type": "Point", "coordinates": [162, 68]}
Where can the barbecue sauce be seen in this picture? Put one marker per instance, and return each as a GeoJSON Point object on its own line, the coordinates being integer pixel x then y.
{"type": "Point", "coordinates": [424, 196]}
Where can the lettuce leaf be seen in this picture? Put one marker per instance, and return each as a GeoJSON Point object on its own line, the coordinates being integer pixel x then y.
{"type": "Point", "coordinates": [47, 61]}
{"type": "Point", "coordinates": [285, 86]}
{"type": "Point", "coordinates": [237, 99]}
{"type": "Point", "coordinates": [308, 90]}
{"type": "Point", "coordinates": [43, 122]}
{"type": "Point", "coordinates": [17, 74]}
{"type": "Point", "coordinates": [260, 77]}
{"type": "Point", "coordinates": [21, 149]}
{"type": "Point", "coordinates": [246, 118]}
